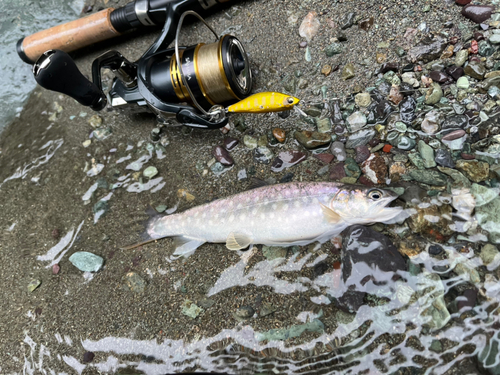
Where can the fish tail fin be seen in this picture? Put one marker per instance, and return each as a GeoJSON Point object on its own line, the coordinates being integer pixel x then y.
{"type": "Point", "coordinates": [146, 234]}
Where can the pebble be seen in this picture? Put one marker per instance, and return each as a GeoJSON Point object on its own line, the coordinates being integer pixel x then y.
{"type": "Point", "coordinates": [434, 94]}
{"type": "Point", "coordinates": [222, 156]}
{"type": "Point", "coordinates": [461, 57]}
{"type": "Point", "coordinates": [406, 143]}
{"type": "Point", "coordinates": [363, 99]}
{"type": "Point", "coordinates": [190, 309]}
{"type": "Point", "coordinates": [475, 70]}
{"type": "Point", "coordinates": [427, 154]}
{"type": "Point", "coordinates": [430, 125]}
{"type": "Point", "coordinates": [230, 143]}
{"type": "Point", "coordinates": [348, 71]}
{"type": "Point", "coordinates": [338, 150]}
{"type": "Point", "coordinates": [443, 158]}
{"type": "Point", "coordinates": [244, 313]}
{"type": "Point", "coordinates": [86, 262]}
{"type": "Point", "coordinates": [33, 284]}
{"type": "Point", "coordinates": [88, 357]}
{"type": "Point", "coordinates": [474, 170]}
{"type": "Point", "coordinates": [360, 138]}
{"type": "Point", "coordinates": [95, 121]}
{"type": "Point", "coordinates": [310, 26]}
{"type": "Point", "coordinates": [362, 153]}
{"type": "Point", "coordinates": [407, 109]}
{"type": "Point", "coordinates": [334, 49]}
{"type": "Point", "coordinates": [375, 169]}
{"type": "Point", "coordinates": [429, 177]}
{"type": "Point", "coordinates": [356, 122]}
{"type": "Point", "coordinates": [263, 155]}
{"type": "Point", "coordinates": [134, 282]}
{"type": "Point", "coordinates": [312, 139]}
{"type": "Point", "coordinates": [287, 159]}
{"type": "Point", "coordinates": [477, 13]}
{"type": "Point", "coordinates": [250, 142]}
{"type": "Point", "coordinates": [150, 172]}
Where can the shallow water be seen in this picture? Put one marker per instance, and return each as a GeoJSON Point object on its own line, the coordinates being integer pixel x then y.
{"type": "Point", "coordinates": [19, 19]}
{"type": "Point", "coordinates": [354, 306]}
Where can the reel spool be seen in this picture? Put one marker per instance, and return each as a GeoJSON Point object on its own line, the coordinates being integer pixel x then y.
{"type": "Point", "coordinates": [192, 84]}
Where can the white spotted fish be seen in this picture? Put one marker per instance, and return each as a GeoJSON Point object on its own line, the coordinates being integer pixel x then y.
{"type": "Point", "coordinates": [296, 213]}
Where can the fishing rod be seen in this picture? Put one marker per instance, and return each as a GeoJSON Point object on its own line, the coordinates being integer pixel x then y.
{"type": "Point", "coordinates": [192, 84]}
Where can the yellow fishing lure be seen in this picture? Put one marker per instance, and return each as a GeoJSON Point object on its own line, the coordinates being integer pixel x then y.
{"type": "Point", "coordinates": [264, 102]}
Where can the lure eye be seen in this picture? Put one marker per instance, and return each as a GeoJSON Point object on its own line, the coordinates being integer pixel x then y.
{"type": "Point", "coordinates": [375, 195]}
{"type": "Point", "coordinates": [289, 100]}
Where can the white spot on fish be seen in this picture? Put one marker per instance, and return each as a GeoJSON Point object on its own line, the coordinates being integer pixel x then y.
{"type": "Point", "coordinates": [254, 211]}
{"type": "Point", "coordinates": [315, 200]}
{"type": "Point", "coordinates": [271, 215]}
{"type": "Point", "coordinates": [274, 206]}
{"type": "Point", "coordinates": [297, 204]}
{"type": "Point", "coordinates": [285, 207]}
{"type": "Point", "coordinates": [256, 199]}
{"type": "Point", "coordinates": [239, 206]}
{"type": "Point", "coordinates": [243, 217]}
{"type": "Point", "coordinates": [231, 218]}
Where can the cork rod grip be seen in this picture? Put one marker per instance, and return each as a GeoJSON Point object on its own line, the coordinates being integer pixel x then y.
{"type": "Point", "coordinates": [68, 36]}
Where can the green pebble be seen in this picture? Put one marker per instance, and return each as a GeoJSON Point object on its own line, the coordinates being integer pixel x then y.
{"type": "Point", "coordinates": [250, 142]}
{"type": "Point", "coordinates": [400, 127]}
{"type": "Point", "coordinates": [334, 49]}
{"type": "Point", "coordinates": [406, 143]}
{"type": "Point", "coordinates": [427, 154]}
{"type": "Point", "coordinates": [348, 71]}
{"type": "Point", "coordinates": [86, 262]}
{"type": "Point", "coordinates": [33, 285]}
{"type": "Point", "coordinates": [150, 172]}
{"type": "Point", "coordinates": [161, 208]}
{"type": "Point", "coordinates": [461, 57]}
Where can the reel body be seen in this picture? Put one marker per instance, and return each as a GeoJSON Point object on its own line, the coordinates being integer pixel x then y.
{"type": "Point", "coordinates": [190, 84]}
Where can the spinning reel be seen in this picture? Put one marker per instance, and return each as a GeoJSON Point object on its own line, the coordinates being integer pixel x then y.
{"type": "Point", "coordinates": [191, 84]}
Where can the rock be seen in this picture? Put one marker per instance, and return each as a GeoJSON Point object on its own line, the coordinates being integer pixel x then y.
{"type": "Point", "coordinates": [363, 99]}
{"type": "Point", "coordinates": [429, 177]}
{"type": "Point", "coordinates": [88, 357]}
{"type": "Point", "coordinates": [429, 49]}
{"type": "Point", "coordinates": [293, 331]}
{"type": "Point", "coordinates": [427, 154]}
{"type": "Point", "coordinates": [477, 13]}
{"type": "Point", "coordinates": [33, 284]}
{"type": "Point", "coordinates": [312, 139]}
{"type": "Point", "coordinates": [461, 57]}
{"type": "Point", "coordinates": [367, 258]}
{"type": "Point", "coordinates": [462, 2]}
{"type": "Point", "coordinates": [338, 150]}
{"type": "Point", "coordinates": [244, 313]}
{"type": "Point", "coordinates": [362, 153]}
{"type": "Point", "coordinates": [396, 170]}
{"type": "Point", "coordinates": [230, 143]}
{"type": "Point", "coordinates": [135, 283]}
{"type": "Point", "coordinates": [356, 121]}
{"type": "Point", "coordinates": [459, 180]}
{"type": "Point", "coordinates": [323, 124]}
{"type": "Point", "coordinates": [348, 20]}
{"type": "Point", "coordinates": [95, 121]}
{"type": "Point", "coordinates": [360, 138]}
{"type": "Point", "coordinates": [279, 134]}
{"type": "Point", "coordinates": [407, 110]}
{"type": "Point", "coordinates": [431, 122]}
{"type": "Point", "coordinates": [438, 229]}
{"type": "Point", "coordinates": [475, 170]}
{"type": "Point", "coordinates": [191, 309]}
{"type": "Point", "coordinates": [274, 252]}
{"type": "Point", "coordinates": [475, 70]}
{"type": "Point", "coordinates": [222, 156]}
{"type": "Point", "coordinates": [150, 172]}
{"type": "Point", "coordinates": [483, 195]}
{"type": "Point", "coordinates": [348, 71]}
{"type": "Point", "coordinates": [309, 26]}
{"type": "Point", "coordinates": [434, 94]}
{"type": "Point", "coordinates": [263, 155]}
{"type": "Point", "coordinates": [337, 172]}
{"type": "Point", "coordinates": [86, 262]}
{"type": "Point", "coordinates": [287, 159]}
{"type": "Point", "coordinates": [455, 122]}
{"type": "Point", "coordinates": [489, 254]}
{"type": "Point", "coordinates": [334, 49]}
{"type": "Point", "coordinates": [250, 142]}
{"type": "Point", "coordinates": [352, 169]}
{"type": "Point", "coordinates": [455, 72]}
{"type": "Point", "coordinates": [395, 96]}
{"type": "Point", "coordinates": [463, 83]}
{"type": "Point", "coordinates": [443, 158]}
{"type": "Point", "coordinates": [440, 77]}
{"type": "Point", "coordinates": [406, 143]}
{"type": "Point", "coordinates": [375, 169]}
{"type": "Point", "coordinates": [325, 158]}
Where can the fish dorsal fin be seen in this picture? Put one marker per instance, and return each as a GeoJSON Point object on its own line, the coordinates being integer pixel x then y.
{"type": "Point", "coordinates": [237, 241]}
{"type": "Point", "coordinates": [330, 215]}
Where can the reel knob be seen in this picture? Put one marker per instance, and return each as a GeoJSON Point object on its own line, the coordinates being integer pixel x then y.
{"type": "Point", "coordinates": [55, 70]}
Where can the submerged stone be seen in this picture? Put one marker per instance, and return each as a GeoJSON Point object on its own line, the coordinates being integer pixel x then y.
{"type": "Point", "coordinates": [86, 262]}
{"type": "Point", "coordinates": [428, 177]}
{"type": "Point", "coordinates": [312, 139]}
{"type": "Point", "coordinates": [475, 170]}
{"type": "Point", "coordinates": [191, 309]}
{"type": "Point", "coordinates": [428, 49]}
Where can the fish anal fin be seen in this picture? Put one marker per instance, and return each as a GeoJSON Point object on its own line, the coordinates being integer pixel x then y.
{"type": "Point", "coordinates": [330, 215]}
{"type": "Point", "coordinates": [237, 241]}
{"type": "Point", "coordinates": [185, 246]}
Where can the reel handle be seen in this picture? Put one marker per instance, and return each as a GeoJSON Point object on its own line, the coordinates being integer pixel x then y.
{"type": "Point", "coordinates": [68, 36]}
{"type": "Point", "coordinates": [55, 70]}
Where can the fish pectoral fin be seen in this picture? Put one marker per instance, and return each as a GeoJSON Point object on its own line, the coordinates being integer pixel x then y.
{"type": "Point", "coordinates": [185, 246]}
{"type": "Point", "coordinates": [330, 215]}
{"type": "Point", "coordinates": [237, 241]}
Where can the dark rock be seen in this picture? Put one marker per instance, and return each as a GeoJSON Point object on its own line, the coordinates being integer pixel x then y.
{"type": "Point", "coordinates": [455, 134]}
{"type": "Point", "coordinates": [337, 172]}
{"type": "Point", "coordinates": [435, 250]}
{"type": "Point", "coordinates": [455, 71]}
{"type": "Point", "coordinates": [325, 158]}
{"type": "Point", "coordinates": [462, 2]}
{"type": "Point", "coordinates": [386, 67]}
{"type": "Point", "coordinates": [286, 178]}
{"type": "Point", "coordinates": [348, 21]}
{"type": "Point", "coordinates": [222, 156]}
{"type": "Point", "coordinates": [56, 234]}
{"type": "Point", "coordinates": [429, 49]}
{"type": "Point", "coordinates": [475, 70]}
{"type": "Point", "coordinates": [384, 88]}
{"type": "Point", "coordinates": [384, 108]}
{"type": "Point", "coordinates": [467, 299]}
{"type": "Point", "coordinates": [262, 155]}
{"type": "Point", "coordinates": [408, 68]}
{"type": "Point", "coordinates": [375, 169]}
{"type": "Point", "coordinates": [230, 143]}
{"type": "Point", "coordinates": [369, 258]}
{"type": "Point", "coordinates": [319, 269]}
{"type": "Point", "coordinates": [362, 153]}
{"type": "Point", "coordinates": [244, 312]}
{"type": "Point", "coordinates": [407, 110]}
{"type": "Point", "coordinates": [284, 114]}
{"type": "Point", "coordinates": [444, 159]}
{"type": "Point", "coordinates": [455, 122]}
{"type": "Point", "coordinates": [366, 23]}
{"type": "Point", "coordinates": [406, 89]}
{"type": "Point", "coordinates": [440, 77]}
{"type": "Point", "coordinates": [88, 357]}
{"type": "Point", "coordinates": [287, 159]}
{"type": "Point", "coordinates": [477, 13]}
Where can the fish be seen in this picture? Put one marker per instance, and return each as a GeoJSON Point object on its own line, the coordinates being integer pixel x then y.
{"type": "Point", "coordinates": [288, 214]}
{"type": "Point", "coordinates": [264, 102]}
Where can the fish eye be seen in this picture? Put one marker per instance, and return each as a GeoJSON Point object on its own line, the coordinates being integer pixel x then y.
{"type": "Point", "coordinates": [289, 100]}
{"type": "Point", "coordinates": [375, 195]}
